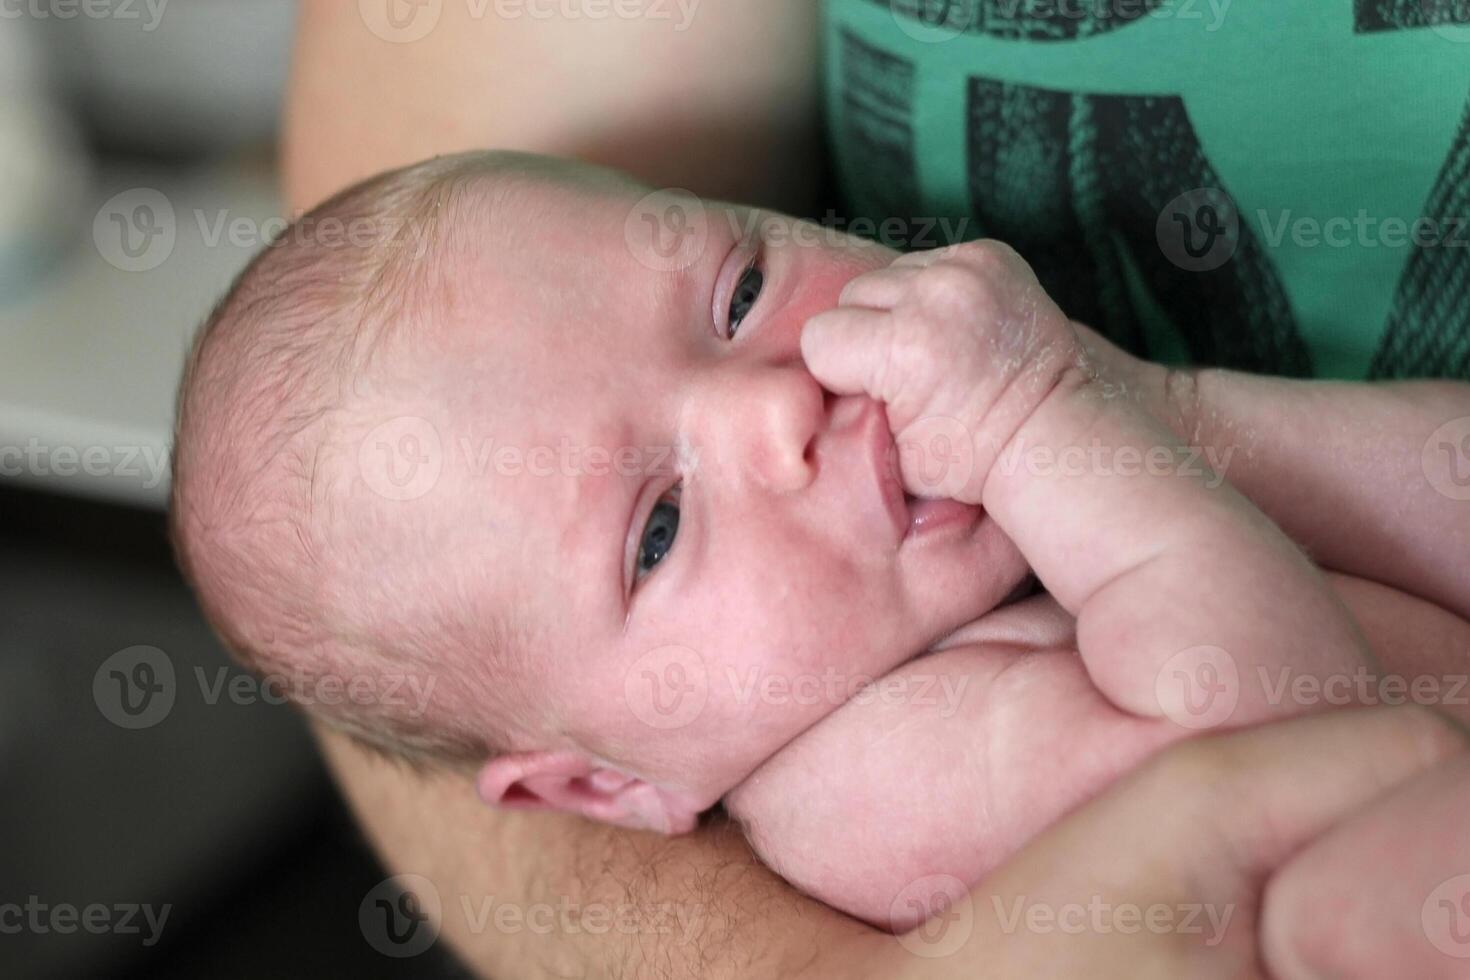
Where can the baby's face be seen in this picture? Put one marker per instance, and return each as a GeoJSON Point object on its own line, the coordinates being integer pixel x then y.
{"type": "Point", "coordinates": [711, 552]}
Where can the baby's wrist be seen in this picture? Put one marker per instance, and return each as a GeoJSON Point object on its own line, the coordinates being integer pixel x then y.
{"type": "Point", "coordinates": [1180, 405]}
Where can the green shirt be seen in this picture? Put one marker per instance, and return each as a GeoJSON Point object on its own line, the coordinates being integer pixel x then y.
{"type": "Point", "coordinates": [1279, 186]}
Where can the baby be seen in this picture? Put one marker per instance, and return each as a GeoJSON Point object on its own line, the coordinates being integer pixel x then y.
{"type": "Point", "coordinates": [651, 539]}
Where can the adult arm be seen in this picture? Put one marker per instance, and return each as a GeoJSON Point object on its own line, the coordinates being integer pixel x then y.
{"type": "Point", "coordinates": [1369, 478]}
{"type": "Point", "coordinates": [1363, 475]}
{"type": "Point", "coordinates": [625, 904]}
{"type": "Point", "coordinates": [1202, 830]}
{"type": "Point", "coordinates": [721, 100]}
{"type": "Point", "coordinates": [1183, 835]}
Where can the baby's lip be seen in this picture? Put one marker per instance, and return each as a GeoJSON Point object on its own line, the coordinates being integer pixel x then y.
{"type": "Point", "coordinates": [863, 423]}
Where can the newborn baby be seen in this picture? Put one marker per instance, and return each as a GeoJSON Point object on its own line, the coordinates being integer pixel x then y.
{"type": "Point", "coordinates": [603, 631]}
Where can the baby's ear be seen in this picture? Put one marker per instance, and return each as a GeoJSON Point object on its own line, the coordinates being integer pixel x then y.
{"type": "Point", "coordinates": [572, 783]}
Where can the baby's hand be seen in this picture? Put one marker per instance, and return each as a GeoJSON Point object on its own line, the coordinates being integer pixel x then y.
{"type": "Point", "coordinates": [1175, 579]}
{"type": "Point", "coordinates": [961, 344]}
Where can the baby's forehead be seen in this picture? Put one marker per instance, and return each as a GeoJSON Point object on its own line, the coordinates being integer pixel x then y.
{"type": "Point", "coordinates": [546, 299]}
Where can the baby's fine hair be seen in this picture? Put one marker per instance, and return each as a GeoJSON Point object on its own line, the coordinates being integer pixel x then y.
{"type": "Point", "coordinates": [271, 395]}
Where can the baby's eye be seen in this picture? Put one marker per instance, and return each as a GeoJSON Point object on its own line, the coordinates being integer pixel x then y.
{"type": "Point", "coordinates": [658, 535]}
{"type": "Point", "coordinates": [747, 291]}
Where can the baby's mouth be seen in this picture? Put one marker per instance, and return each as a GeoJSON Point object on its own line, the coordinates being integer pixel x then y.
{"type": "Point", "coordinates": [929, 515]}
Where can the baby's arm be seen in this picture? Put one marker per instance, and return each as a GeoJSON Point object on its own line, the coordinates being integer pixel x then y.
{"type": "Point", "coordinates": [956, 760]}
{"type": "Point", "coordinates": [1168, 573]}
{"type": "Point", "coordinates": [946, 766]}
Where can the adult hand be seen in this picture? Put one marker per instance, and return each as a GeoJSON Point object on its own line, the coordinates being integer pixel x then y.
{"type": "Point", "coordinates": [1239, 856]}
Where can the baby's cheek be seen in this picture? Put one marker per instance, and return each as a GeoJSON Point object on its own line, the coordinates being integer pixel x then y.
{"type": "Point", "coordinates": [818, 276]}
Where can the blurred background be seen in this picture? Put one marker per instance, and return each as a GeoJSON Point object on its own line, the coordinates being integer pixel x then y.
{"type": "Point", "coordinates": [162, 817]}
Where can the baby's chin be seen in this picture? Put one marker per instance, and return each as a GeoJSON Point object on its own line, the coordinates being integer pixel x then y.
{"type": "Point", "coordinates": [961, 576]}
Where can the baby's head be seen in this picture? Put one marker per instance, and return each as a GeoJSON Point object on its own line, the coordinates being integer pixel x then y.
{"type": "Point", "coordinates": [468, 424]}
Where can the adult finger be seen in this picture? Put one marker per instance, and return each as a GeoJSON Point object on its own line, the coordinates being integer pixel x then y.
{"type": "Point", "coordinates": [1186, 841]}
{"type": "Point", "coordinates": [1385, 893]}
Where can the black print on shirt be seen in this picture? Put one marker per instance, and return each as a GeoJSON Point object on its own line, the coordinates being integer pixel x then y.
{"type": "Point", "coordinates": [877, 114]}
{"type": "Point", "coordinates": [1077, 184]}
{"type": "Point", "coordinates": [1399, 15]}
{"type": "Point", "coordinates": [1076, 181]}
{"type": "Point", "coordinates": [1428, 331]}
{"type": "Point", "coordinates": [1026, 20]}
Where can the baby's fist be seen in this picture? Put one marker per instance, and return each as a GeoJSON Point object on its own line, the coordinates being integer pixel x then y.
{"type": "Point", "coordinates": [961, 345]}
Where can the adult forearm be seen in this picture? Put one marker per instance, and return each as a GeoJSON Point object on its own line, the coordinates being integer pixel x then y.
{"type": "Point", "coordinates": [717, 98]}
{"type": "Point", "coordinates": [532, 895]}
{"type": "Point", "coordinates": [1369, 478]}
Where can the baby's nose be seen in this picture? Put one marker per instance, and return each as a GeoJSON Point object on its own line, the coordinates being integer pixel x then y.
{"type": "Point", "coordinates": [762, 426]}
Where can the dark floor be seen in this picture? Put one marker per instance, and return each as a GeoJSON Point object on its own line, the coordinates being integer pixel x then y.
{"type": "Point", "coordinates": [222, 810]}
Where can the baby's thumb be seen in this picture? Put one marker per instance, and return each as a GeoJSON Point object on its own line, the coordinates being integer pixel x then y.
{"type": "Point", "coordinates": [850, 351]}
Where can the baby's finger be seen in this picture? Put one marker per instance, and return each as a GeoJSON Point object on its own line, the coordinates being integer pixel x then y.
{"type": "Point", "coordinates": [880, 289]}
{"type": "Point", "coordinates": [924, 259]}
{"type": "Point", "coordinates": [987, 257]}
{"type": "Point", "coordinates": [850, 351]}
